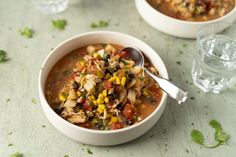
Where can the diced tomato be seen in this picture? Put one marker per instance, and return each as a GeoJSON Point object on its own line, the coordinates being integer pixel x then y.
{"type": "Point", "coordinates": [75, 74]}
{"type": "Point", "coordinates": [116, 125]}
{"type": "Point", "coordinates": [107, 84]}
{"type": "Point", "coordinates": [86, 125]}
{"type": "Point", "coordinates": [81, 100]}
{"type": "Point", "coordinates": [129, 111]}
{"type": "Point", "coordinates": [122, 53]}
{"type": "Point", "coordinates": [87, 107]}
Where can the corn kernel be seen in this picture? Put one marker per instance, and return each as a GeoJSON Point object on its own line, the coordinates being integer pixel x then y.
{"type": "Point", "coordinates": [95, 55]}
{"type": "Point", "coordinates": [82, 63]}
{"type": "Point", "coordinates": [78, 93]}
{"type": "Point", "coordinates": [107, 76]}
{"type": "Point", "coordinates": [104, 92]}
{"type": "Point", "coordinates": [112, 79]}
{"type": "Point", "coordinates": [99, 74]}
{"type": "Point", "coordinates": [101, 106]}
{"type": "Point", "coordinates": [109, 115]}
{"type": "Point", "coordinates": [95, 102]}
{"type": "Point", "coordinates": [92, 97]}
{"type": "Point", "coordinates": [113, 120]}
{"type": "Point", "coordinates": [100, 110]}
{"type": "Point", "coordinates": [123, 80]}
{"type": "Point", "coordinates": [118, 80]}
{"type": "Point", "coordinates": [100, 96]}
{"type": "Point", "coordinates": [145, 93]}
{"type": "Point", "coordinates": [62, 97]}
{"type": "Point", "coordinates": [100, 101]}
{"type": "Point", "coordinates": [106, 100]}
{"type": "Point", "coordinates": [143, 106]}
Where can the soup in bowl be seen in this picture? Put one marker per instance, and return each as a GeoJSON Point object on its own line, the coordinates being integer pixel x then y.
{"type": "Point", "coordinates": [92, 93]}
{"type": "Point", "coordinates": [184, 18]}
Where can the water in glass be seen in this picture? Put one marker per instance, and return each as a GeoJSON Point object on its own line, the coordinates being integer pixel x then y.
{"type": "Point", "coordinates": [51, 6]}
{"type": "Point", "coordinates": [215, 63]}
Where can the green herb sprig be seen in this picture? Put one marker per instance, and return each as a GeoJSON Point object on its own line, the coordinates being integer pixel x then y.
{"type": "Point", "coordinates": [221, 137]}
{"type": "Point", "coordinates": [59, 24]}
{"type": "Point", "coordinates": [17, 154]}
{"type": "Point", "coordinates": [99, 24]}
{"type": "Point", "coordinates": [3, 56]}
{"type": "Point", "coordinates": [27, 32]}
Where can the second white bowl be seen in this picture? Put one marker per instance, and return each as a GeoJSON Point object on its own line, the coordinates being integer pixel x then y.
{"type": "Point", "coordinates": [175, 27]}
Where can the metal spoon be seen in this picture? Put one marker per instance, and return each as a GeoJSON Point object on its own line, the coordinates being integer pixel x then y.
{"type": "Point", "coordinates": [172, 90]}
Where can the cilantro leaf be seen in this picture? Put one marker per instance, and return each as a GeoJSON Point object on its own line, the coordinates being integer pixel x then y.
{"type": "Point", "coordinates": [99, 24]}
{"type": "Point", "coordinates": [216, 125]}
{"type": "Point", "coordinates": [89, 151]}
{"type": "Point", "coordinates": [17, 154]}
{"type": "Point", "coordinates": [59, 24]}
{"type": "Point", "coordinates": [197, 137]}
{"type": "Point", "coordinates": [27, 32]}
{"type": "Point", "coordinates": [66, 155]}
{"type": "Point", "coordinates": [33, 100]}
{"type": "Point", "coordinates": [221, 136]}
{"type": "Point", "coordinates": [3, 56]}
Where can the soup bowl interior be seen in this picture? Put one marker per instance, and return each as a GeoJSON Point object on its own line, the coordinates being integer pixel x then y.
{"type": "Point", "coordinates": [177, 27]}
{"type": "Point", "coordinates": [97, 137]}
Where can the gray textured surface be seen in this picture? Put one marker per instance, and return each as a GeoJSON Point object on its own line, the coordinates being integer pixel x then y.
{"type": "Point", "coordinates": [170, 137]}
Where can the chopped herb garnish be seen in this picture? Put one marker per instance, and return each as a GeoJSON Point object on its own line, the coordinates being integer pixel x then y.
{"type": "Point", "coordinates": [10, 144]}
{"type": "Point", "coordinates": [192, 98]}
{"type": "Point", "coordinates": [89, 151]}
{"type": "Point", "coordinates": [59, 24]}
{"type": "Point", "coordinates": [66, 73]}
{"type": "Point", "coordinates": [141, 78]}
{"type": "Point", "coordinates": [187, 151]}
{"type": "Point", "coordinates": [178, 62]}
{"type": "Point", "coordinates": [9, 133]}
{"type": "Point", "coordinates": [99, 24]}
{"type": "Point", "coordinates": [17, 154]}
{"type": "Point", "coordinates": [33, 100]}
{"type": "Point", "coordinates": [43, 126]}
{"type": "Point", "coordinates": [220, 136]}
{"type": "Point", "coordinates": [180, 52]}
{"type": "Point", "coordinates": [7, 100]}
{"type": "Point", "coordinates": [197, 137]}
{"type": "Point", "coordinates": [3, 56]}
{"type": "Point", "coordinates": [184, 45]}
{"type": "Point", "coordinates": [27, 32]}
{"type": "Point", "coordinates": [66, 156]}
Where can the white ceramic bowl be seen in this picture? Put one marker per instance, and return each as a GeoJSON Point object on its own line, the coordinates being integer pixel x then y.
{"type": "Point", "coordinates": [96, 137]}
{"type": "Point", "coordinates": [175, 27]}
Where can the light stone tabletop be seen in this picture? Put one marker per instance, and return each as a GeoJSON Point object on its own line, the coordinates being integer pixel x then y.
{"type": "Point", "coordinates": [24, 125]}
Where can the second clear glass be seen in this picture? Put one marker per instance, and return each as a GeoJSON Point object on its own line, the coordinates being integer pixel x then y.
{"type": "Point", "coordinates": [51, 6]}
{"type": "Point", "coordinates": [214, 64]}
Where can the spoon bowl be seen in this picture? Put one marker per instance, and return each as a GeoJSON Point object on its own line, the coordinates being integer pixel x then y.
{"type": "Point", "coordinates": [173, 91]}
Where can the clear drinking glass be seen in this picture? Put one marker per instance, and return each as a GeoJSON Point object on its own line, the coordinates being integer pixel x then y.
{"type": "Point", "coordinates": [214, 63]}
{"type": "Point", "coordinates": [51, 6]}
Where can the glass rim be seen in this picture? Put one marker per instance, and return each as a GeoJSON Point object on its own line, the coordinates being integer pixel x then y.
{"type": "Point", "coordinates": [207, 26]}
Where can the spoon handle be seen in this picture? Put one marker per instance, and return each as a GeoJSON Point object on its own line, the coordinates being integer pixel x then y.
{"type": "Point", "coordinates": [172, 90]}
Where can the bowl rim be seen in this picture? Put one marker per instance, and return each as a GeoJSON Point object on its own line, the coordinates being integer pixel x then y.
{"type": "Point", "coordinates": [189, 22]}
{"type": "Point", "coordinates": [44, 102]}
